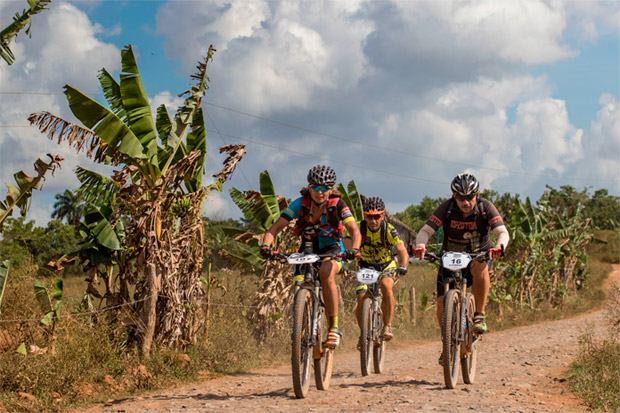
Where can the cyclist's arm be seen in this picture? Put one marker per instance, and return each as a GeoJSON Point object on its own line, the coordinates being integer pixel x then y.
{"type": "Point", "coordinates": [502, 236]}
{"type": "Point", "coordinates": [403, 256]}
{"type": "Point", "coordinates": [423, 235]}
{"type": "Point", "coordinates": [275, 229]}
{"type": "Point", "coordinates": [354, 232]}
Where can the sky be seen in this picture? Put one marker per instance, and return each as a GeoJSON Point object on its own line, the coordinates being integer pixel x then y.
{"type": "Point", "coordinates": [399, 96]}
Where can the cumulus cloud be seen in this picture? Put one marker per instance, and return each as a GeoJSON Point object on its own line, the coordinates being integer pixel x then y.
{"type": "Point", "coordinates": [64, 49]}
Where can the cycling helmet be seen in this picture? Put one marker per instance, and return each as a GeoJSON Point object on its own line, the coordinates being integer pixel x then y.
{"type": "Point", "coordinates": [464, 184]}
{"type": "Point", "coordinates": [374, 205]}
{"type": "Point", "coordinates": [322, 175]}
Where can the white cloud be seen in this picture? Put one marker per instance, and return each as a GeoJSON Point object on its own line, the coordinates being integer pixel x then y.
{"type": "Point", "coordinates": [63, 50]}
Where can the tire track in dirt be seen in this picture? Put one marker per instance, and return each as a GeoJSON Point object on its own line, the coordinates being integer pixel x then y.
{"type": "Point", "coordinates": [519, 370]}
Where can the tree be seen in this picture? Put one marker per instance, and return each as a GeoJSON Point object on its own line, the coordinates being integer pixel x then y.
{"type": "Point", "coordinates": [150, 223]}
{"type": "Point", "coordinates": [68, 205]}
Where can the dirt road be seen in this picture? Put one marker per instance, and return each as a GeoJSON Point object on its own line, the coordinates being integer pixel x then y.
{"type": "Point", "coordinates": [519, 370]}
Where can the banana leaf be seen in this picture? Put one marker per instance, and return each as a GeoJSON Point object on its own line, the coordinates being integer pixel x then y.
{"type": "Point", "coordinates": [105, 124]}
{"type": "Point", "coordinates": [4, 275]}
{"type": "Point", "coordinates": [270, 199]}
{"type": "Point", "coordinates": [136, 104]}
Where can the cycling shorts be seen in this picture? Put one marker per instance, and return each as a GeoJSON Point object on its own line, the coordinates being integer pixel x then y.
{"type": "Point", "coordinates": [441, 287]}
{"type": "Point", "coordinates": [332, 249]}
{"type": "Point", "coordinates": [362, 288]}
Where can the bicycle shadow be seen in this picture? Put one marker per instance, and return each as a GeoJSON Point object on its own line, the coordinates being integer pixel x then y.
{"type": "Point", "coordinates": [394, 383]}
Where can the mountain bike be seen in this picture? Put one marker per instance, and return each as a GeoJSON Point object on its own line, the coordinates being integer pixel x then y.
{"type": "Point", "coordinates": [460, 341]}
{"type": "Point", "coordinates": [371, 329]}
{"type": "Point", "coordinates": [309, 327]}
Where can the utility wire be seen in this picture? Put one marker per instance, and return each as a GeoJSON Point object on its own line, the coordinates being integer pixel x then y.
{"type": "Point", "coordinates": [363, 167]}
{"type": "Point", "coordinates": [352, 141]}
{"type": "Point", "coordinates": [226, 143]}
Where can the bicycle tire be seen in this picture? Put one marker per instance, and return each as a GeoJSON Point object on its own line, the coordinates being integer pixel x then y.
{"type": "Point", "coordinates": [324, 356]}
{"type": "Point", "coordinates": [469, 354]}
{"type": "Point", "coordinates": [366, 336]}
{"type": "Point", "coordinates": [451, 348]}
{"type": "Point", "coordinates": [300, 336]}
{"type": "Point", "coordinates": [378, 350]}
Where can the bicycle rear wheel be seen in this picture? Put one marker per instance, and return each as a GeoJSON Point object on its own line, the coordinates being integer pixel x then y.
{"type": "Point", "coordinates": [366, 336]}
{"type": "Point", "coordinates": [450, 329]}
{"type": "Point", "coordinates": [378, 350]}
{"type": "Point", "coordinates": [323, 356]}
{"type": "Point", "coordinates": [300, 338]}
{"type": "Point", "coordinates": [469, 355]}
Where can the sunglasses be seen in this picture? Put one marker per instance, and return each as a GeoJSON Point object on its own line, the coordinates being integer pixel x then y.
{"type": "Point", "coordinates": [462, 198]}
{"type": "Point", "coordinates": [322, 188]}
{"type": "Point", "coordinates": [373, 217]}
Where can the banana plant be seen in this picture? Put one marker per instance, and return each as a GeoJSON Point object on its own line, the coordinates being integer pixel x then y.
{"type": "Point", "coordinates": [353, 199]}
{"type": "Point", "coordinates": [4, 275]}
{"type": "Point", "coordinates": [18, 196]}
{"type": "Point", "coordinates": [20, 21]}
{"type": "Point", "coordinates": [261, 209]}
{"type": "Point", "coordinates": [158, 190]}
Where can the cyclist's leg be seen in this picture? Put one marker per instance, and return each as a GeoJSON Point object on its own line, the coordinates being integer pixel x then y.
{"type": "Point", "coordinates": [387, 306]}
{"type": "Point", "coordinates": [440, 293]}
{"type": "Point", "coordinates": [481, 284]}
{"type": "Point", "coordinates": [327, 273]}
{"type": "Point", "coordinates": [360, 294]}
{"type": "Point", "coordinates": [387, 303]}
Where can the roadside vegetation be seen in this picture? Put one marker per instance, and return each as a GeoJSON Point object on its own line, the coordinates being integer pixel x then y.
{"type": "Point", "coordinates": [57, 351]}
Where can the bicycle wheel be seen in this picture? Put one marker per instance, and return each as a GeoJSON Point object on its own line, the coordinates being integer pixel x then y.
{"type": "Point", "coordinates": [451, 347]}
{"type": "Point", "coordinates": [366, 336]}
{"type": "Point", "coordinates": [378, 350]}
{"type": "Point", "coordinates": [469, 355]}
{"type": "Point", "coordinates": [323, 356]}
{"type": "Point", "coordinates": [300, 337]}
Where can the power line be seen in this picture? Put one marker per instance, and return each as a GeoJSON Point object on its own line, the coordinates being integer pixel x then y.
{"type": "Point", "coordinates": [225, 143]}
{"type": "Point", "coordinates": [365, 168]}
{"type": "Point", "coordinates": [352, 141]}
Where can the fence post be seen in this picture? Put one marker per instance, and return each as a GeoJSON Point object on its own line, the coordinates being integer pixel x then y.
{"type": "Point", "coordinates": [150, 307]}
{"type": "Point", "coordinates": [412, 314]}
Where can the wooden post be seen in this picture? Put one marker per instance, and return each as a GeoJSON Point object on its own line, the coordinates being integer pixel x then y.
{"type": "Point", "coordinates": [150, 306]}
{"type": "Point", "coordinates": [412, 305]}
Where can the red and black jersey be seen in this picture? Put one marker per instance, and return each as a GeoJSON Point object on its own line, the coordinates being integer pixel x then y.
{"type": "Point", "coordinates": [466, 234]}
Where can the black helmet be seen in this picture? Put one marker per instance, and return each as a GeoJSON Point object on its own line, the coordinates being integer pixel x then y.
{"type": "Point", "coordinates": [322, 175]}
{"type": "Point", "coordinates": [464, 184]}
{"type": "Point", "coordinates": [374, 205]}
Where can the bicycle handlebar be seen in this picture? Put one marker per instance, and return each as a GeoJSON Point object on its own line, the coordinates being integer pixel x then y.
{"type": "Point", "coordinates": [479, 256]}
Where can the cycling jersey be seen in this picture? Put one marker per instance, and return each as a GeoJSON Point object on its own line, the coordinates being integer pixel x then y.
{"type": "Point", "coordinates": [325, 236]}
{"type": "Point", "coordinates": [466, 234]}
{"type": "Point", "coordinates": [373, 251]}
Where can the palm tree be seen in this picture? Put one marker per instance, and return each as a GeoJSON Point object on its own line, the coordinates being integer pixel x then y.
{"type": "Point", "coordinates": [68, 205]}
{"type": "Point", "coordinates": [149, 211]}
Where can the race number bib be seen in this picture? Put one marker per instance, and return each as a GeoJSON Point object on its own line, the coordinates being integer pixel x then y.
{"type": "Point", "coordinates": [300, 258]}
{"type": "Point", "coordinates": [455, 260]}
{"type": "Point", "coordinates": [368, 276]}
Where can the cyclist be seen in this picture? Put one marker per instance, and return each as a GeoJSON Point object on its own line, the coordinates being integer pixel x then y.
{"type": "Point", "coordinates": [466, 219]}
{"type": "Point", "coordinates": [321, 215]}
{"type": "Point", "coordinates": [379, 240]}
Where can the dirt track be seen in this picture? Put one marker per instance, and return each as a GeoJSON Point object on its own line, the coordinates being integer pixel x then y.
{"type": "Point", "coordinates": [519, 370]}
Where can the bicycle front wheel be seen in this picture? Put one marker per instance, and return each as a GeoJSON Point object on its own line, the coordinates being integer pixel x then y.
{"type": "Point", "coordinates": [366, 336]}
{"type": "Point", "coordinates": [450, 330]}
{"type": "Point", "coordinates": [469, 355]}
{"type": "Point", "coordinates": [378, 350]}
{"type": "Point", "coordinates": [300, 342]}
{"type": "Point", "coordinates": [323, 356]}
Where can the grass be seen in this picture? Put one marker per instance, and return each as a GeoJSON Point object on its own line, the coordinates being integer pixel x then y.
{"type": "Point", "coordinates": [595, 374]}
{"type": "Point", "coordinates": [94, 359]}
